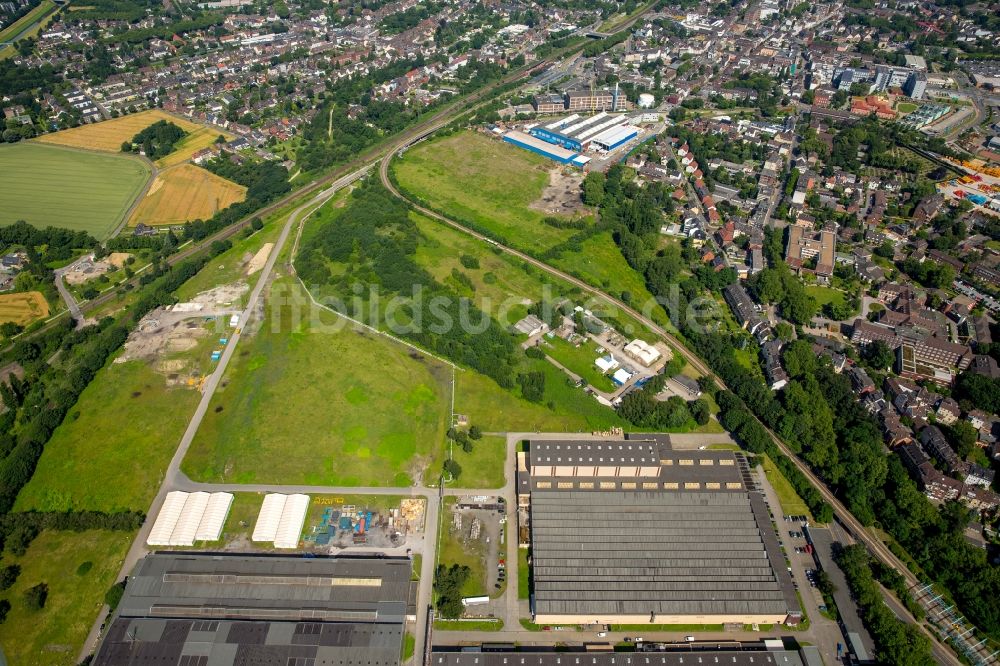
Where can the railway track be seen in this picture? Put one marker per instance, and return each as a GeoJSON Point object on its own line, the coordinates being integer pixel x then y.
{"type": "Point", "coordinates": [842, 514]}
{"type": "Point", "coordinates": [370, 157]}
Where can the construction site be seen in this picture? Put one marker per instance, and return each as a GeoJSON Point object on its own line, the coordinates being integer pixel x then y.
{"type": "Point", "coordinates": [183, 341]}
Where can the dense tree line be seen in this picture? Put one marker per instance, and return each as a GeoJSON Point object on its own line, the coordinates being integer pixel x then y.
{"type": "Point", "coordinates": [39, 402]}
{"type": "Point", "coordinates": [737, 419]}
{"type": "Point", "coordinates": [899, 643]}
{"type": "Point", "coordinates": [53, 243]}
{"type": "Point", "coordinates": [448, 582]}
{"type": "Point", "coordinates": [265, 182]}
{"type": "Point", "coordinates": [398, 22]}
{"type": "Point", "coordinates": [18, 530]}
{"type": "Point", "coordinates": [374, 239]}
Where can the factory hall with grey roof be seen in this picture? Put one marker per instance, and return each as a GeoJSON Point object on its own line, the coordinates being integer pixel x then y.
{"type": "Point", "coordinates": [633, 531]}
{"type": "Point", "coordinates": [183, 609]}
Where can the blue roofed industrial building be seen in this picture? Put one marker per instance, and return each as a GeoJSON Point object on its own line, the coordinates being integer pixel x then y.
{"type": "Point", "coordinates": [553, 152]}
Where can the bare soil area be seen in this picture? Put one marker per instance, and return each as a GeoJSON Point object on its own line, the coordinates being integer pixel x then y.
{"type": "Point", "coordinates": [562, 195]}
{"type": "Point", "coordinates": [164, 336]}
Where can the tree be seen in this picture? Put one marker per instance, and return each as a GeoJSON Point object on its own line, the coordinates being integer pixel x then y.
{"type": "Point", "coordinates": [963, 437]}
{"type": "Point", "coordinates": [4, 609]}
{"type": "Point", "coordinates": [9, 329]}
{"type": "Point", "coordinates": [114, 594]}
{"type": "Point", "coordinates": [700, 411]}
{"type": "Point", "coordinates": [36, 596]}
{"type": "Point", "coordinates": [475, 432]}
{"type": "Point", "coordinates": [593, 188]}
{"type": "Point", "coordinates": [532, 385]}
{"type": "Point", "coordinates": [452, 468]}
{"type": "Point", "coordinates": [448, 582]}
{"type": "Point", "coordinates": [8, 576]}
{"type": "Point", "coordinates": [879, 355]}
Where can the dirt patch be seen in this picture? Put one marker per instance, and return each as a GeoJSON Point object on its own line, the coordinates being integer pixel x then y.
{"type": "Point", "coordinates": [259, 259]}
{"type": "Point", "coordinates": [166, 336]}
{"type": "Point", "coordinates": [562, 195]}
{"type": "Point", "coordinates": [226, 295]}
{"type": "Point", "coordinates": [118, 259]}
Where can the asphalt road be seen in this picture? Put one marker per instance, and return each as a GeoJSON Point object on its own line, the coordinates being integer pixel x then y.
{"type": "Point", "coordinates": [71, 304]}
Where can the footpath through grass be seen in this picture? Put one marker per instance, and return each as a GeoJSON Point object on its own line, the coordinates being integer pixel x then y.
{"type": "Point", "coordinates": [55, 634]}
{"type": "Point", "coordinates": [314, 401]}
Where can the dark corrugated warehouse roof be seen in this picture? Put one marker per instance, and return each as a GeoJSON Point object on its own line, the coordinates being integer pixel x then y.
{"type": "Point", "coordinates": [276, 588]}
{"type": "Point", "coordinates": [692, 537]}
{"type": "Point", "coordinates": [685, 658]}
{"type": "Point", "coordinates": [183, 609]}
{"type": "Point", "coordinates": [153, 641]}
{"type": "Point", "coordinates": [635, 553]}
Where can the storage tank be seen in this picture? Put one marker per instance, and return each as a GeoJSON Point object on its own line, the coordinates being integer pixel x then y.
{"type": "Point", "coordinates": [646, 101]}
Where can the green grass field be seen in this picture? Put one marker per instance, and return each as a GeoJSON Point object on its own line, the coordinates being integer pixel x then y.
{"type": "Point", "coordinates": [499, 278]}
{"type": "Point", "coordinates": [600, 263]}
{"type": "Point", "coordinates": [456, 550]}
{"type": "Point", "coordinates": [484, 181]}
{"type": "Point", "coordinates": [111, 451]}
{"type": "Point", "coordinates": [906, 107]}
{"type": "Point", "coordinates": [482, 468]}
{"type": "Point", "coordinates": [55, 634]}
{"type": "Point", "coordinates": [323, 405]}
{"type": "Point", "coordinates": [578, 360]}
{"type": "Point", "coordinates": [75, 189]}
{"type": "Point", "coordinates": [824, 295]}
{"type": "Point", "coordinates": [495, 410]}
{"type": "Point", "coordinates": [791, 503]}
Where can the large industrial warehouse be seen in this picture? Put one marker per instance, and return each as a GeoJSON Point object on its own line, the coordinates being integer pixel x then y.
{"type": "Point", "coordinates": [634, 532]}
{"type": "Point", "coordinates": [602, 131]}
{"type": "Point", "coordinates": [187, 609]}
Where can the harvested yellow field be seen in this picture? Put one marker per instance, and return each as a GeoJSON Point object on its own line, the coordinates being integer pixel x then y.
{"type": "Point", "coordinates": [203, 137]}
{"type": "Point", "coordinates": [23, 307]}
{"type": "Point", "coordinates": [109, 135]}
{"type": "Point", "coordinates": [184, 193]}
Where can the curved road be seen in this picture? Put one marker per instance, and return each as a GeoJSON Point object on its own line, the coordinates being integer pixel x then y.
{"type": "Point", "coordinates": [840, 511]}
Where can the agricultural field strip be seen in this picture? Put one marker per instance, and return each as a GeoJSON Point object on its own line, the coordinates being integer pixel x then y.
{"type": "Point", "coordinates": [68, 187]}
{"type": "Point", "coordinates": [108, 136]}
{"type": "Point", "coordinates": [185, 192]}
